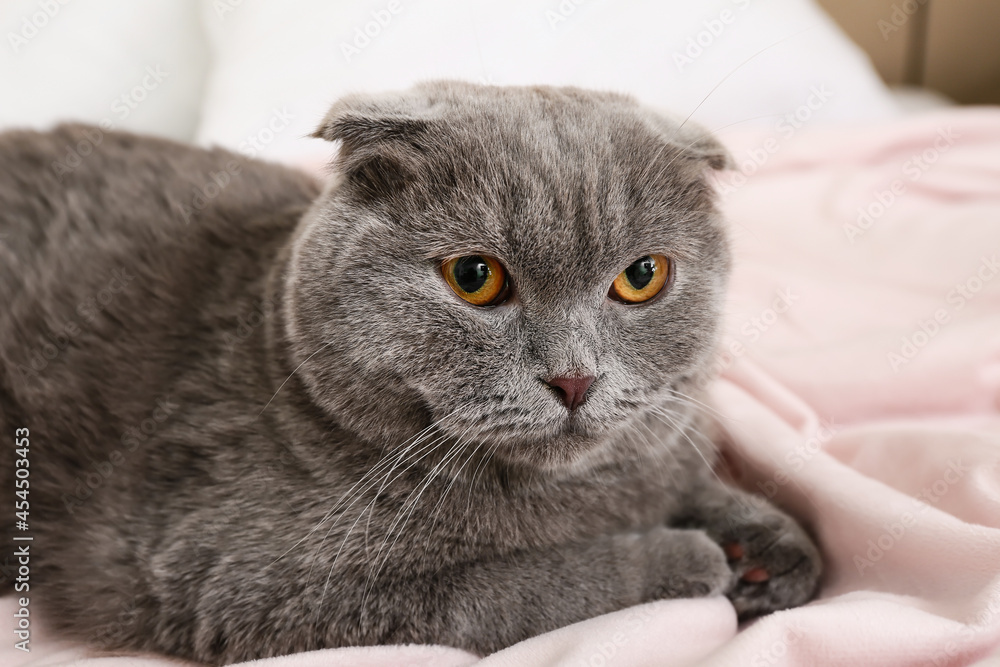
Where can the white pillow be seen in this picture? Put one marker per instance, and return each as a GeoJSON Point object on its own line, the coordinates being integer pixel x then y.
{"type": "Point", "coordinates": [280, 64]}
{"type": "Point", "coordinates": [137, 65]}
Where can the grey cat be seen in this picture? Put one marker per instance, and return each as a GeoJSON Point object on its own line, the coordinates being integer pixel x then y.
{"type": "Point", "coordinates": [453, 397]}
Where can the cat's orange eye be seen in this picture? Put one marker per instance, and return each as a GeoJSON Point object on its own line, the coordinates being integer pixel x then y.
{"type": "Point", "coordinates": [642, 280]}
{"type": "Point", "coordinates": [480, 280]}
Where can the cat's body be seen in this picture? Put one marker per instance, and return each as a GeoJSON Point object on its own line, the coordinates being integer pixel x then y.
{"type": "Point", "coordinates": [232, 449]}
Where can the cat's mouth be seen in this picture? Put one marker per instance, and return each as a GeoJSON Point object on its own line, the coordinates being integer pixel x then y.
{"type": "Point", "coordinates": [576, 426]}
{"type": "Point", "coordinates": [553, 424]}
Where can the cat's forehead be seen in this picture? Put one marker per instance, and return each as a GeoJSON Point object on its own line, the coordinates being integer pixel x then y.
{"type": "Point", "coordinates": [542, 189]}
{"type": "Point", "coordinates": [548, 178]}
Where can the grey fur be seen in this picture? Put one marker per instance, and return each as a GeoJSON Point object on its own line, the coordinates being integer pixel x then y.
{"type": "Point", "coordinates": [283, 431]}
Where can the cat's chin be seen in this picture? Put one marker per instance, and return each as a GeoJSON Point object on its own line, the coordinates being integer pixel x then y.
{"type": "Point", "coordinates": [565, 445]}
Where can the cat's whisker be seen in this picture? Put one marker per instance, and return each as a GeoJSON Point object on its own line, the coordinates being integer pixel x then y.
{"type": "Point", "coordinates": [676, 420]}
{"type": "Point", "coordinates": [684, 432]}
{"type": "Point", "coordinates": [651, 446]}
{"type": "Point", "coordinates": [385, 480]}
{"type": "Point", "coordinates": [681, 153]}
{"type": "Point", "coordinates": [452, 455]}
{"type": "Point", "coordinates": [673, 419]}
{"type": "Point", "coordinates": [394, 457]}
{"type": "Point", "coordinates": [370, 508]}
{"type": "Point", "coordinates": [383, 462]}
{"type": "Point", "coordinates": [372, 481]}
{"type": "Point", "coordinates": [643, 455]}
{"type": "Point", "coordinates": [736, 497]}
{"type": "Point", "coordinates": [372, 477]}
{"type": "Point", "coordinates": [318, 350]}
{"type": "Point", "coordinates": [454, 479]}
{"type": "Point", "coordinates": [333, 566]}
{"type": "Point", "coordinates": [737, 69]}
{"type": "Point", "coordinates": [480, 468]}
{"type": "Point", "coordinates": [689, 401]}
{"type": "Point", "coordinates": [453, 452]}
{"type": "Point", "coordinates": [426, 451]}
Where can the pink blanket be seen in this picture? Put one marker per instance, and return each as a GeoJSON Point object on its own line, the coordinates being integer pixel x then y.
{"type": "Point", "coordinates": [861, 391]}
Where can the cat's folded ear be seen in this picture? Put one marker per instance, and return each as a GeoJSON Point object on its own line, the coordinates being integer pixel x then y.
{"type": "Point", "coordinates": [696, 143]}
{"type": "Point", "coordinates": [380, 136]}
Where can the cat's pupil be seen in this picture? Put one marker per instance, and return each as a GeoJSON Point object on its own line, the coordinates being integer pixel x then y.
{"type": "Point", "coordinates": [471, 273]}
{"type": "Point", "coordinates": [641, 272]}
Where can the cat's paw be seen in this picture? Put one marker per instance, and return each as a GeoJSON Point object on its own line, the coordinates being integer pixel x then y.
{"type": "Point", "coordinates": [775, 564]}
{"type": "Point", "coordinates": [685, 564]}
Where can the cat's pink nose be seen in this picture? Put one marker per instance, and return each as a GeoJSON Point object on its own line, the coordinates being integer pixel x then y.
{"type": "Point", "coordinates": [572, 390]}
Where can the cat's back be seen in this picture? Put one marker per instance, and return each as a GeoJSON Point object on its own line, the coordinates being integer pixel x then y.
{"type": "Point", "coordinates": [120, 255]}
{"type": "Point", "coordinates": [70, 196]}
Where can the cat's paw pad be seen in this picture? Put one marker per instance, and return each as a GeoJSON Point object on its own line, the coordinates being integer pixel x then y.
{"type": "Point", "coordinates": [753, 575]}
{"type": "Point", "coordinates": [775, 566]}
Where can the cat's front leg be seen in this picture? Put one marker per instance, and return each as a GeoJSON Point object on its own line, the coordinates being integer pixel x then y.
{"type": "Point", "coordinates": [239, 611]}
{"type": "Point", "coordinates": [775, 563]}
{"type": "Point", "coordinates": [499, 601]}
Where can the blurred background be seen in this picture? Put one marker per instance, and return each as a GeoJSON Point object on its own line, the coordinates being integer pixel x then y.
{"type": "Point", "coordinates": [867, 181]}
{"type": "Point", "coordinates": [950, 47]}
{"type": "Point", "coordinates": [257, 75]}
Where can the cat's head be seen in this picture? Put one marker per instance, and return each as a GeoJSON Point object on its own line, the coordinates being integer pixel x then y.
{"type": "Point", "coordinates": [545, 197]}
